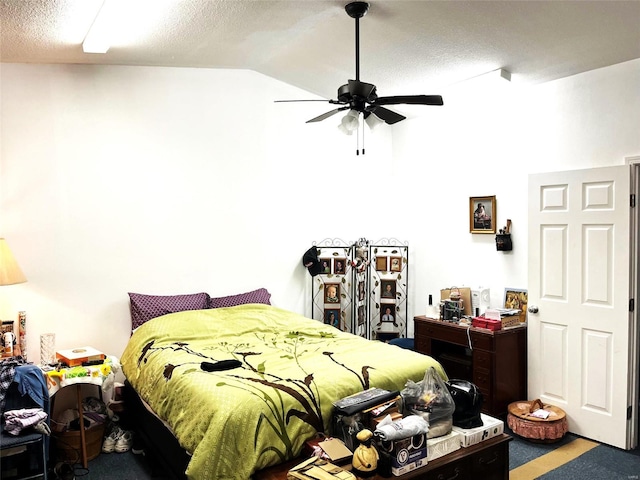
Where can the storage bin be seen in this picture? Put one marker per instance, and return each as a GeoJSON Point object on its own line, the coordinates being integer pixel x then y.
{"type": "Point", "coordinates": [68, 447]}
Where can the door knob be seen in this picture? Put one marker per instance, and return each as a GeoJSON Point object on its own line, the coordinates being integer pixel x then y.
{"type": "Point", "coordinates": [533, 309]}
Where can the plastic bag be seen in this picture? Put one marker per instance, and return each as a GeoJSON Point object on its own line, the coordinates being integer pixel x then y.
{"type": "Point", "coordinates": [432, 401]}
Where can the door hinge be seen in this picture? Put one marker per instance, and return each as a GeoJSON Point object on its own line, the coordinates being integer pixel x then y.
{"type": "Point", "coordinates": [629, 412]}
{"type": "Point", "coordinates": [633, 200]}
{"type": "Point", "coordinates": [632, 305]}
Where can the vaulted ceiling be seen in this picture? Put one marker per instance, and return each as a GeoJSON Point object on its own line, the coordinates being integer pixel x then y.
{"type": "Point", "coordinates": [407, 47]}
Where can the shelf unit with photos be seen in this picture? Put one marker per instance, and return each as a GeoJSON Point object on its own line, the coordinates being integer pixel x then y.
{"type": "Point", "coordinates": [362, 288]}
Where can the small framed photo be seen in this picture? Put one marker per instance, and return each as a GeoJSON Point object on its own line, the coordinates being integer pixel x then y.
{"type": "Point", "coordinates": [361, 292]}
{"type": "Point", "coordinates": [388, 315]}
{"type": "Point", "coordinates": [325, 264]}
{"type": "Point", "coordinates": [517, 298]}
{"type": "Point", "coordinates": [332, 293]}
{"type": "Point", "coordinates": [361, 316]}
{"type": "Point", "coordinates": [332, 317]}
{"type": "Point", "coordinates": [388, 289]}
{"type": "Point", "coordinates": [396, 264]}
{"type": "Point", "coordinates": [482, 214]}
{"type": "Point", "coordinates": [339, 266]}
{"type": "Point", "coordinates": [381, 264]}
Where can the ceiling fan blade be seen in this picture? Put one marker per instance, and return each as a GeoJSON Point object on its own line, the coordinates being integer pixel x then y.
{"type": "Point", "coordinates": [284, 101]}
{"type": "Point", "coordinates": [389, 117]}
{"type": "Point", "coordinates": [409, 100]}
{"type": "Point", "coordinates": [326, 115]}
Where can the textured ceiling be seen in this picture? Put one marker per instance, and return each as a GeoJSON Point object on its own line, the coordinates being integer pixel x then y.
{"type": "Point", "coordinates": [407, 47]}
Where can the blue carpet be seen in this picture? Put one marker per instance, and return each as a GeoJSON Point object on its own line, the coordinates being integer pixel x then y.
{"type": "Point", "coordinates": [601, 463]}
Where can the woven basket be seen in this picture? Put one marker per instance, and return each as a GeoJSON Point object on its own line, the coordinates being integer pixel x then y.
{"type": "Point", "coordinates": [69, 448]}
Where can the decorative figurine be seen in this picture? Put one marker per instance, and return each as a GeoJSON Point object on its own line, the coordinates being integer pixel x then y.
{"type": "Point", "coordinates": [365, 457]}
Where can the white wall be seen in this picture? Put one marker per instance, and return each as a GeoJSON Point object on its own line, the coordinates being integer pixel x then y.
{"type": "Point", "coordinates": [161, 180]}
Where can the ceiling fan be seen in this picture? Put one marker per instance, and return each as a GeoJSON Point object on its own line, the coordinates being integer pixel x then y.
{"type": "Point", "coordinates": [361, 97]}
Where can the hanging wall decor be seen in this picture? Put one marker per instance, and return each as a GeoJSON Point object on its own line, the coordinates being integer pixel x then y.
{"type": "Point", "coordinates": [362, 287]}
{"type": "Point", "coordinates": [388, 293]}
{"type": "Point", "coordinates": [332, 292]}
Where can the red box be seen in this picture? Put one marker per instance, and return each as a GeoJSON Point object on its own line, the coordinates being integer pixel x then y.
{"type": "Point", "coordinates": [487, 323]}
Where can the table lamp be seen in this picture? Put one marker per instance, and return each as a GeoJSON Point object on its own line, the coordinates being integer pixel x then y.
{"type": "Point", "coordinates": [10, 274]}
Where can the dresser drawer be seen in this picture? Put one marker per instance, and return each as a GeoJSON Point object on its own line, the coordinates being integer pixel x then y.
{"type": "Point", "coordinates": [444, 333]}
{"type": "Point", "coordinates": [492, 463]}
{"type": "Point", "coordinates": [482, 360]}
{"type": "Point", "coordinates": [482, 379]}
{"type": "Point", "coordinates": [482, 342]}
{"type": "Point", "coordinates": [458, 470]}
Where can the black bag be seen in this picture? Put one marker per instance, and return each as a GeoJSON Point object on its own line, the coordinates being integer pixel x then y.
{"type": "Point", "coordinates": [468, 400]}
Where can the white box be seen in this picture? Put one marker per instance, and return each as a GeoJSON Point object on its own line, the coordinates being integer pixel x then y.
{"type": "Point", "coordinates": [491, 427]}
{"type": "Point", "coordinates": [480, 300]}
{"type": "Point", "coordinates": [441, 446]}
{"type": "Point", "coordinates": [406, 454]}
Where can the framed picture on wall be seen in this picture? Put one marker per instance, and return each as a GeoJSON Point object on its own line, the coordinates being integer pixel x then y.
{"type": "Point", "coordinates": [482, 214]}
{"type": "Point", "coordinates": [339, 266]}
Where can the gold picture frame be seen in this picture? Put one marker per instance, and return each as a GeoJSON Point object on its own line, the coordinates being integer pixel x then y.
{"type": "Point", "coordinates": [482, 214]}
{"type": "Point", "coordinates": [517, 298]}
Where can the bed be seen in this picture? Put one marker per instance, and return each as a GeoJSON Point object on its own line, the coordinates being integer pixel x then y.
{"type": "Point", "coordinates": [279, 393]}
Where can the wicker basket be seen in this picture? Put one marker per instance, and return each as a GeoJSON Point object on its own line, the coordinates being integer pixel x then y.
{"type": "Point", "coordinates": [69, 449]}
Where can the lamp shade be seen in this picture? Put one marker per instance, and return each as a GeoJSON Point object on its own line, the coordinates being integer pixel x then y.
{"type": "Point", "coordinates": [349, 122]}
{"type": "Point", "coordinates": [10, 272]}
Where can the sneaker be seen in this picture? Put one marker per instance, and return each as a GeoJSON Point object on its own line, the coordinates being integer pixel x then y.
{"type": "Point", "coordinates": [124, 442]}
{"type": "Point", "coordinates": [137, 447]}
{"type": "Point", "coordinates": [109, 443]}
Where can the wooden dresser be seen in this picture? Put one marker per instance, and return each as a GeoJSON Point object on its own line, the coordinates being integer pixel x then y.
{"type": "Point", "coordinates": [496, 362]}
{"type": "Point", "coordinates": [487, 460]}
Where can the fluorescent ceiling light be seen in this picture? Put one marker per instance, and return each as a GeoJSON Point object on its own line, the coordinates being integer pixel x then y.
{"type": "Point", "coordinates": [98, 39]}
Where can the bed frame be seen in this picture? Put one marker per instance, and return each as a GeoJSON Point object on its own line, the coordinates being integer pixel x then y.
{"type": "Point", "coordinates": [166, 457]}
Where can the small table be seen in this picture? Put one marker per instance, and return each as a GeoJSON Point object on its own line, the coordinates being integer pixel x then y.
{"type": "Point", "coordinates": [78, 376]}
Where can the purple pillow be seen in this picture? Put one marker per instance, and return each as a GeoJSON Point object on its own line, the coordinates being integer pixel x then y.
{"type": "Point", "coordinates": [256, 296]}
{"type": "Point", "coordinates": [146, 307]}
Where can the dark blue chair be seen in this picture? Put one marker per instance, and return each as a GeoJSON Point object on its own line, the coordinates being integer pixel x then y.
{"type": "Point", "coordinates": [25, 455]}
{"type": "Point", "coordinates": [403, 343]}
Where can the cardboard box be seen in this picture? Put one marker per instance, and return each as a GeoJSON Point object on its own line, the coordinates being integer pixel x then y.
{"type": "Point", "coordinates": [78, 356]}
{"type": "Point", "coordinates": [441, 446]}
{"type": "Point", "coordinates": [492, 427]}
{"type": "Point", "coordinates": [465, 295]}
{"type": "Point", "coordinates": [406, 454]}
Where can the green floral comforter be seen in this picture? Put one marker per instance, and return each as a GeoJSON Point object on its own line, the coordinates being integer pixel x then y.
{"type": "Point", "coordinates": [237, 421]}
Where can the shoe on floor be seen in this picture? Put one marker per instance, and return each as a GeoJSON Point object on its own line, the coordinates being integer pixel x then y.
{"type": "Point", "coordinates": [64, 471]}
{"type": "Point", "coordinates": [137, 447]}
{"type": "Point", "coordinates": [124, 442]}
{"type": "Point", "coordinates": [109, 443]}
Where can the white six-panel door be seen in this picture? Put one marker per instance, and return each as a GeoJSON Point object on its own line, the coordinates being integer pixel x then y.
{"type": "Point", "coordinates": [579, 281]}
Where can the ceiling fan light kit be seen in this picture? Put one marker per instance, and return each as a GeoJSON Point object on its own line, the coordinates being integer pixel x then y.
{"type": "Point", "coordinates": [361, 98]}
